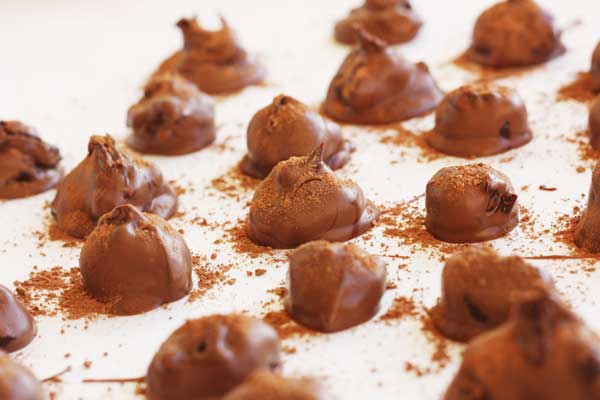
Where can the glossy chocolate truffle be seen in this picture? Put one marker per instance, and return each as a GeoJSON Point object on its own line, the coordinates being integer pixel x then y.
{"type": "Point", "coordinates": [470, 203]}
{"type": "Point", "coordinates": [28, 165]}
{"type": "Point", "coordinates": [135, 261]}
{"type": "Point", "coordinates": [17, 382]}
{"type": "Point", "coordinates": [332, 286]}
{"type": "Point", "coordinates": [587, 233]}
{"type": "Point", "coordinates": [303, 200]}
{"type": "Point", "coordinates": [477, 288]}
{"type": "Point", "coordinates": [172, 118]}
{"type": "Point", "coordinates": [376, 85]}
{"type": "Point", "coordinates": [595, 69]}
{"type": "Point", "coordinates": [17, 327]}
{"type": "Point", "coordinates": [207, 357]}
{"type": "Point", "coordinates": [480, 120]}
{"type": "Point", "coordinates": [594, 124]}
{"type": "Point", "coordinates": [393, 21]}
{"type": "Point", "coordinates": [288, 128]}
{"type": "Point", "coordinates": [213, 60]}
{"type": "Point", "coordinates": [543, 352]}
{"type": "Point", "coordinates": [265, 385]}
{"type": "Point", "coordinates": [106, 178]}
{"type": "Point", "coordinates": [514, 33]}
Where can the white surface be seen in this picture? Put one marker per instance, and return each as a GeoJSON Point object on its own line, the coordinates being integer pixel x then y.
{"type": "Point", "coordinates": [72, 68]}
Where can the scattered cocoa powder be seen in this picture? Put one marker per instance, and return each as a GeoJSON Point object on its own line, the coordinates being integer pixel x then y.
{"type": "Point", "coordinates": [209, 276]}
{"type": "Point", "coordinates": [285, 326]}
{"type": "Point", "coordinates": [401, 307]}
{"type": "Point", "coordinates": [236, 236]}
{"type": "Point", "coordinates": [578, 90]}
{"type": "Point", "coordinates": [487, 73]}
{"type": "Point", "coordinates": [234, 183]}
{"type": "Point", "coordinates": [403, 137]}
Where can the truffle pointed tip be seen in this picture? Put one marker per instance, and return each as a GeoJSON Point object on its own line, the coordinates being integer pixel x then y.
{"type": "Point", "coordinates": [317, 154]}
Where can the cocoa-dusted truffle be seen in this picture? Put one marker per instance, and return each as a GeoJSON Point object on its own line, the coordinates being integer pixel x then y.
{"type": "Point", "coordinates": [106, 178]}
{"type": "Point", "coordinates": [480, 120]}
{"type": "Point", "coordinates": [288, 128]}
{"type": "Point", "coordinates": [17, 327]}
{"type": "Point", "coordinates": [376, 85]}
{"type": "Point", "coordinates": [477, 288]}
{"type": "Point", "coordinates": [172, 118]}
{"type": "Point", "coordinates": [213, 60]}
{"type": "Point", "coordinates": [594, 124]}
{"type": "Point", "coordinates": [595, 69]}
{"type": "Point", "coordinates": [332, 287]}
{"type": "Point", "coordinates": [542, 352]}
{"type": "Point", "coordinates": [587, 233]}
{"type": "Point", "coordinates": [28, 165]}
{"type": "Point", "coordinates": [393, 21]}
{"type": "Point", "coordinates": [207, 357]}
{"type": "Point", "coordinates": [265, 385]}
{"type": "Point", "coordinates": [470, 203]}
{"type": "Point", "coordinates": [514, 33]}
{"type": "Point", "coordinates": [135, 261]}
{"type": "Point", "coordinates": [17, 382]}
{"type": "Point", "coordinates": [303, 200]}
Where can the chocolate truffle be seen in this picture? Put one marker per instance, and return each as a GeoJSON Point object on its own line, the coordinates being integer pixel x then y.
{"type": "Point", "coordinates": [172, 118]}
{"type": "Point", "coordinates": [543, 352]}
{"type": "Point", "coordinates": [207, 357]}
{"type": "Point", "coordinates": [594, 124]}
{"type": "Point", "coordinates": [106, 178]}
{"type": "Point", "coordinates": [332, 287]}
{"type": "Point", "coordinates": [514, 33]}
{"type": "Point", "coordinates": [17, 327]}
{"type": "Point", "coordinates": [288, 128]}
{"type": "Point", "coordinates": [28, 165]}
{"type": "Point", "coordinates": [587, 233]}
{"type": "Point", "coordinates": [393, 21]}
{"type": "Point", "coordinates": [17, 382]}
{"type": "Point", "coordinates": [303, 200]}
{"type": "Point", "coordinates": [265, 385]}
{"type": "Point", "coordinates": [479, 120]}
{"type": "Point", "coordinates": [595, 70]}
{"type": "Point", "coordinates": [135, 261]}
{"type": "Point", "coordinates": [376, 85]}
{"type": "Point", "coordinates": [213, 60]}
{"type": "Point", "coordinates": [477, 288]}
{"type": "Point", "coordinates": [470, 203]}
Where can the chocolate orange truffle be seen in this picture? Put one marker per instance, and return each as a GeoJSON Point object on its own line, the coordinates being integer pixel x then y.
{"type": "Point", "coordinates": [514, 33]}
{"type": "Point", "coordinates": [594, 124]}
{"type": "Point", "coordinates": [480, 120]}
{"type": "Point", "coordinates": [470, 203]}
{"type": "Point", "coordinates": [135, 261]}
{"type": "Point", "coordinates": [213, 60]}
{"type": "Point", "coordinates": [477, 288]}
{"type": "Point", "coordinates": [332, 286]}
{"type": "Point", "coordinates": [595, 69]}
{"type": "Point", "coordinates": [265, 385]}
{"type": "Point", "coordinates": [106, 178]}
{"type": "Point", "coordinates": [288, 128]}
{"type": "Point", "coordinates": [542, 352]}
{"type": "Point", "coordinates": [172, 118]}
{"type": "Point", "coordinates": [17, 382]}
{"type": "Point", "coordinates": [207, 357]}
{"type": "Point", "coordinates": [393, 21]}
{"type": "Point", "coordinates": [303, 200]}
{"type": "Point", "coordinates": [587, 233]}
{"type": "Point", "coordinates": [28, 165]}
{"type": "Point", "coordinates": [376, 85]}
{"type": "Point", "coordinates": [17, 327]}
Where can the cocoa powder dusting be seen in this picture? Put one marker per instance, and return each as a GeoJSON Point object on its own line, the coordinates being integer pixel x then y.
{"type": "Point", "coordinates": [579, 90]}
{"type": "Point", "coordinates": [234, 184]}
{"type": "Point", "coordinates": [209, 276]}
{"type": "Point", "coordinates": [401, 307]}
{"type": "Point", "coordinates": [285, 326]}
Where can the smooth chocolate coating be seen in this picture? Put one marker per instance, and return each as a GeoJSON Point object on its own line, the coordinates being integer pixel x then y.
{"type": "Point", "coordinates": [28, 165]}
{"type": "Point", "coordinates": [207, 357]}
{"type": "Point", "coordinates": [477, 288]}
{"type": "Point", "coordinates": [303, 200]}
{"type": "Point", "coordinates": [17, 382]}
{"type": "Point", "coordinates": [376, 85]}
{"type": "Point", "coordinates": [595, 69]}
{"type": "Point", "coordinates": [172, 118]}
{"type": "Point", "coordinates": [470, 203]}
{"type": "Point", "coordinates": [332, 286]}
{"type": "Point", "coordinates": [106, 178]}
{"type": "Point", "coordinates": [479, 120]}
{"type": "Point", "coordinates": [135, 261]}
{"type": "Point", "coordinates": [393, 21]}
{"type": "Point", "coordinates": [594, 124]}
{"type": "Point", "coordinates": [265, 385]}
{"type": "Point", "coordinates": [288, 128]}
{"type": "Point", "coordinates": [587, 233]}
{"type": "Point", "coordinates": [17, 327]}
{"type": "Point", "coordinates": [543, 352]}
{"type": "Point", "coordinates": [514, 33]}
{"type": "Point", "coordinates": [213, 60]}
